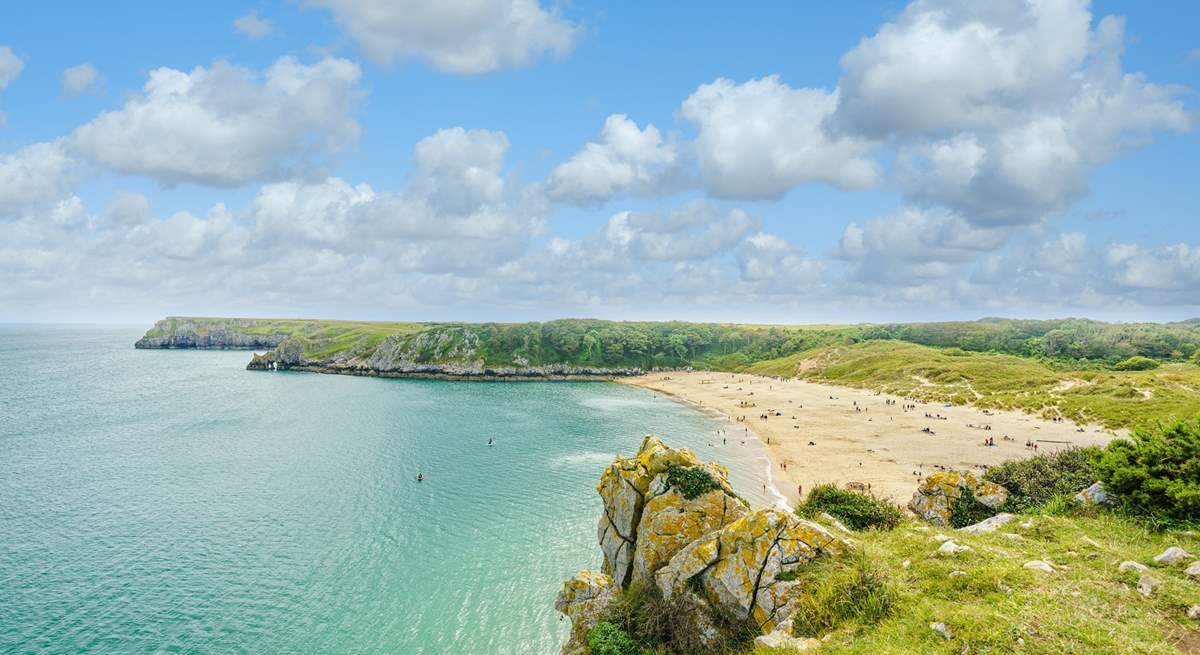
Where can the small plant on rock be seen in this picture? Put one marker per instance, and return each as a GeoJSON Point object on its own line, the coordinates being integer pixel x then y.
{"type": "Point", "coordinates": [692, 481]}
{"type": "Point", "coordinates": [609, 639]}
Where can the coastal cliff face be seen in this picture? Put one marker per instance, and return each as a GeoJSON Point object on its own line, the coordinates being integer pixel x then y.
{"type": "Point", "coordinates": [228, 334]}
{"type": "Point", "coordinates": [673, 524]}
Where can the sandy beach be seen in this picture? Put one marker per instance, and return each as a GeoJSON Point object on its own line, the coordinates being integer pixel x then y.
{"type": "Point", "coordinates": [818, 433]}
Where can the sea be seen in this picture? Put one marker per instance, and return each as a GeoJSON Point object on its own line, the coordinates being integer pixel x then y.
{"type": "Point", "coordinates": [170, 501]}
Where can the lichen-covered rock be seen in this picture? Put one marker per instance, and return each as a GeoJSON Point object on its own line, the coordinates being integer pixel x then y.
{"type": "Point", "coordinates": [934, 499]}
{"type": "Point", "coordinates": [583, 599]}
{"type": "Point", "coordinates": [671, 521]}
{"type": "Point", "coordinates": [623, 488]}
{"type": "Point", "coordinates": [736, 568]}
{"type": "Point", "coordinates": [1094, 495]}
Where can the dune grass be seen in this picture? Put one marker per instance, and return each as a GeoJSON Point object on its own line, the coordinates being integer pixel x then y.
{"type": "Point", "coordinates": [1114, 399]}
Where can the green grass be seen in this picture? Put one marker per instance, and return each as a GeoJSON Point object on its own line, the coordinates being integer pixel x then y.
{"type": "Point", "coordinates": [1085, 607]}
{"type": "Point", "coordinates": [1115, 399]}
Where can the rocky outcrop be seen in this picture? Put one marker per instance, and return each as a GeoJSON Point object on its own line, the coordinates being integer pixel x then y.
{"type": "Point", "coordinates": [583, 599]}
{"type": "Point", "coordinates": [934, 500]}
{"type": "Point", "coordinates": [230, 334]}
{"type": "Point", "coordinates": [674, 523]}
{"type": "Point", "coordinates": [1094, 495]}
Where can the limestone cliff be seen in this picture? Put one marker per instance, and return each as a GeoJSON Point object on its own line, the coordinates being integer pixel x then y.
{"type": "Point", "coordinates": [673, 522]}
{"type": "Point", "coordinates": [227, 334]}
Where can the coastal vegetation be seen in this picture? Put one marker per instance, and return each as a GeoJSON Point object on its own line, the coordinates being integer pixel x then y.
{"type": "Point", "coordinates": [1034, 481]}
{"type": "Point", "coordinates": [856, 510]}
{"type": "Point", "coordinates": [1156, 473]}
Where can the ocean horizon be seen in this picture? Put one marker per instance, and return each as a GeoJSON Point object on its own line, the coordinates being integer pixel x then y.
{"type": "Point", "coordinates": [172, 501]}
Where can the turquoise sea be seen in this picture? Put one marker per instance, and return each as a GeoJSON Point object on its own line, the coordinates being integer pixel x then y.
{"type": "Point", "coordinates": [173, 502]}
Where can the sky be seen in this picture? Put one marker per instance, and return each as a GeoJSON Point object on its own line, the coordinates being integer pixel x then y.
{"type": "Point", "coordinates": [511, 160]}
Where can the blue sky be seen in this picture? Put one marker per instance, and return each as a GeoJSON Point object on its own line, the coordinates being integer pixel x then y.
{"type": "Point", "coordinates": [808, 197]}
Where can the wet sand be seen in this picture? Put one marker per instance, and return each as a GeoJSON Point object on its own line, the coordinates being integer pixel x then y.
{"type": "Point", "coordinates": [824, 433]}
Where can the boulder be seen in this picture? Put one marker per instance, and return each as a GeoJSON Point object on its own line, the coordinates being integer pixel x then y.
{"type": "Point", "coordinates": [988, 525]}
{"type": "Point", "coordinates": [1193, 571]}
{"type": "Point", "coordinates": [1147, 584]}
{"type": "Point", "coordinates": [736, 568]}
{"type": "Point", "coordinates": [623, 487]}
{"type": "Point", "coordinates": [1171, 555]}
{"type": "Point", "coordinates": [941, 629]}
{"type": "Point", "coordinates": [935, 498]}
{"type": "Point", "coordinates": [671, 521]}
{"type": "Point", "coordinates": [951, 548]}
{"type": "Point", "coordinates": [1132, 566]}
{"type": "Point", "coordinates": [1039, 565]}
{"type": "Point", "coordinates": [1094, 495]}
{"type": "Point", "coordinates": [1194, 612]}
{"type": "Point", "coordinates": [583, 599]}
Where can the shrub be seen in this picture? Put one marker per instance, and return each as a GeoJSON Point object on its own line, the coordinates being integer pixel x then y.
{"type": "Point", "coordinates": [609, 639]}
{"type": "Point", "coordinates": [675, 625]}
{"type": "Point", "coordinates": [967, 510]}
{"type": "Point", "coordinates": [1137, 363]}
{"type": "Point", "coordinates": [1033, 481]}
{"type": "Point", "coordinates": [839, 592]}
{"type": "Point", "coordinates": [1196, 357]}
{"type": "Point", "coordinates": [691, 481]}
{"type": "Point", "coordinates": [858, 511]}
{"type": "Point", "coordinates": [1157, 472]}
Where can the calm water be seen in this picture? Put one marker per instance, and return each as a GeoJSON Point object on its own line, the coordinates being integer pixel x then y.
{"type": "Point", "coordinates": [170, 501]}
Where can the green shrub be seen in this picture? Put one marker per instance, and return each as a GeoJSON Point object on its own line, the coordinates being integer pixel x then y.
{"type": "Point", "coordinates": [674, 626]}
{"type": "Point", "coordinates": [841, 591]}
{"type": "Point", "coordinates": [691, 481]}
{"type": "Point", "coordinates": [1196, 357]}
{"type": "Point", "coordinates": [1033, 481]}
{"type": "Point", "coordinates": [1157, 472]}
{"type": "Point", "coordinates": [609, 639]}
{"type": "Point", "coordinates": [857, 511]}
{"type": "Point", "coordinates": [1137, 363]}
{"type": "Point", "coordinates": [967, 510]}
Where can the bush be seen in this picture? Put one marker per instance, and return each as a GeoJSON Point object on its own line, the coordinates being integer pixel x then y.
{"type": "Point", "coordinates": [675, 625]}
{"type": "Point", "coordinates": [839, 592]}
{"type": "Point", "coordinates": [1033, 481]}
{"type": "Point", "coordinates": [691, 481]}
{"type": "Point", "coordinates": [609, 639]}
{"type": "Point", "coordinates": [857, 511]}
{"type": "Point", "coordinates": [1196, 357]}
{"type": "Point", "coordinates": [968, 511]}
{"type": "Point", "coordinates": [1157, 473]}
{"type": "Point", "coordinates": [1137, 363]}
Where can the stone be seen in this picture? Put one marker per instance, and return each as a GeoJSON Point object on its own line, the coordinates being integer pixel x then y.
{"type": "Point", "coordinates": [1094, 495]}
{"type": "Point", "coordinates": [1171, 555]}
{"type": "Point", "coordinates": [935, 497]}
{"type": "Point", "coordinates": [957, 574]}
{"type": "Point", "coordinates": [989, 524]}
{"type": "Point", "coordinates": [736, 568]}
{"type": "Point", "coordinates": [1003, 587]}
{"type": "Point", "coordinates": [1193, 571]}
{"type": "Point", "coordinates": [832, 520]}
{"type": "Point", "coordinates": [905, 564]}
{"type": "Point", "coordinates": [1089, 542]}
{"type": "Point", "coordinates": [1132, 566]}
{"type": "Point", "coordinates": [670, 521]}
{"type": "Point", "coordinates": [941, 629]}
{"type": "Point", "coordinates": [1147, 584]}
{"type": "Point", "coordinates": [951, 548]}
{"type": "Point", "coordinates": [781, 639]}
{"type": "Point", "coordinates": [583, 599]}
{"type": "Point", "coordinates": [1040, 565]}
{"type": "Point", "coordinates": [623, 487]}
{"type": "Point", "coordinates": [1194, 612]}
{"type": "Point", "coordinates": [941, 538]}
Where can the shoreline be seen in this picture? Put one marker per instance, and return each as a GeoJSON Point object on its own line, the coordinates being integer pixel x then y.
{"type": "Point", "coordinates": [830, 435]}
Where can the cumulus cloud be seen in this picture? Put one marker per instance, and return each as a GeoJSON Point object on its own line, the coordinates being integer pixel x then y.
{"type": "Point", "coordinates": [252, 25]}
{"type": "Point", "coordinates": [10, 66]}
{"type": "Point", "coordinates": [226, 125]}
{"type": "Point", "coordinates": [624, 159]}
{"type": "Point", "coordinates": [35, 178]}
{"type": "Point", "coordinates": [759, 139]}
{"type": "Point", "coordinates": [1171, 268]}
{"type": "Point", "coordinates": [476, 37]}
{"type": "Point", "coordinates": [77, 79]}
{"type": "Point", "coordinates": [1001, 110]}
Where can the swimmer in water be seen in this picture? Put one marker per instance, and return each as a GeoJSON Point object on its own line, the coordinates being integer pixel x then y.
{"type": "Point", "coordinates": [420, 476]}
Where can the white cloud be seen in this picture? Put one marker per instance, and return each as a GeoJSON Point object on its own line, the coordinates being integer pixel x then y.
{"type": "Point", "coordinates": [1171, 268]}
{"type": "Point", "coordinates": [77, 79]}
{"type": "Point", "coordinates": [225, 125]}
{"type": "Point", "coordinates": [759, 139]}
{"type": "Point", "coordinates": [476, 37]}
{"type": "Point", "coordinates": [10, 66]}
{"type": "Point", "coordinates": [251, 25]}
{"type": "Point", "coordinates": [625, 159]}
{"type": "Point", "coordinates": [777, 265]}
{"type": "Point", "coordinates": [34, 178]}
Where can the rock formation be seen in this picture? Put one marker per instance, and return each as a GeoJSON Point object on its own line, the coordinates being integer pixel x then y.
{"type": "Point", "coordinates": [674, 522]}
{"type": "Point", "coordinates": [934, 499]}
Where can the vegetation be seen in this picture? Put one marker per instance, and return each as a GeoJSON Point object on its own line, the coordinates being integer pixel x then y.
{"type": "Point", "coordinates": [847, 593]}
{"type": "Point", "coordinates": [967, 510]}
{"type": "Point", "coordinates": [661, 626]}
{"type": "Point", "coordinates": [1157, 472]}
{"type": "Point", "coordinates": [858, 511]}
{"type": "Point", "coordinates": [691, 481]}
{"type": "Point", "coordinates": [1034, 481]}
{"type": "Point", "coordinates": [609, 639]}
{"type": "Point", "coordinates": [1136, 363]}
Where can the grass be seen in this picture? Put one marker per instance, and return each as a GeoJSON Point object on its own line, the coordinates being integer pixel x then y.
{"type": "Point", "coordinates": [1085, 607]}
{"type": "Point", "coordinates": [1114, 399]}
{"type": "Point", "coordinates": [856, 510]}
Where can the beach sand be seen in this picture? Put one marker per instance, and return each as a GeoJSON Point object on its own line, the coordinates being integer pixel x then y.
{"type": "Point", "coordinates": [855, 435]}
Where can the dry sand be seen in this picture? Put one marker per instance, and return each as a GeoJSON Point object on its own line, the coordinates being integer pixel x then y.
{"type": "Point", "coordinates": [855, 435]}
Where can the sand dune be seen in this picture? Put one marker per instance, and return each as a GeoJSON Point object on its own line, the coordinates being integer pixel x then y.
{"type": "Point", "coordinates": [823, 433]}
